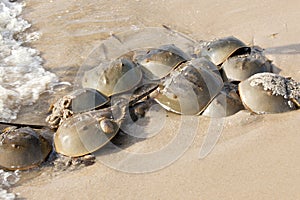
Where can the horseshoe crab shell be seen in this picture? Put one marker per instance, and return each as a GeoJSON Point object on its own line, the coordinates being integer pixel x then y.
{"type": "Point", "coordinates": [206, 64]}
{"type": "Point", "coordinates": [157, 63]}
{"type": "Point", "coordinates": [226, 103]}
{"type": "Point", "coordinates": [119, 76]}
{"type": "Point", "coordinates": [188, 89]}
{"type": "Point", "coordinates": [80, 100]}
{"type": "Point", "coordinates": [22, 148]}
{"type": "Point", "coordinates": [219, 50]}
{"type": "Point", "coordinates": [179, 96]}
{"type": "Point", "coordinates": [86, 99]}
{"type": "Point", "coordinates": [269, 93]}
{"type": "Point", "coordinates": [241, 67]}
{"type": "Point", "coordinates": [85, 133]}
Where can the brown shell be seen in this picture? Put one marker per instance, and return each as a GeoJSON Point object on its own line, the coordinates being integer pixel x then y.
{"type": "Point", "coordinates": [22, 148]}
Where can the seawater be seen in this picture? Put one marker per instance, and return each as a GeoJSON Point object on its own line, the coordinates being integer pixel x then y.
{"type": "Point", "coordinates": [22, 76]}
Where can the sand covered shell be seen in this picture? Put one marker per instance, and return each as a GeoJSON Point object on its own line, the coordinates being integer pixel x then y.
{"type": "Point", "coordinates": [219, 50]}
{"type": "Point", "coordinates": [269, 93]}
{"type": "Point", "coordinates": [22, 148]}
{"type": "Point", "coordinates": [226, 103]}
{"type": "Point", "coordinates": [241, 67]}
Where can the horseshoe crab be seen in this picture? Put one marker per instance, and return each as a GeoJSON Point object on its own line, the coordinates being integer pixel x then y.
{"type": "Point", "coordinates": [157, 63]}
{"type": "Point", "coordinates": [188, 89]}
{"type": "Point", "coordinates": [112, 78]}
{"type": "Point", "coordinates": [226, 103]}
{"type": "Point", "coordinates": [80, 100]}
{"type": "Point", "coordinates": [242, 66]}
{"type": "Point", "coordinates": [22, 148]}
{"type": "Point", "coordinates": [269, 93]}
{"type": "Point", "coordinates": [219, 50]}
{"type": "Point", "coordinates": [85, 133]}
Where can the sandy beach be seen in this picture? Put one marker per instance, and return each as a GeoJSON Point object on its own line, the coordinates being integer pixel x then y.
{"type": "Point", "coordinates": [256, 156]}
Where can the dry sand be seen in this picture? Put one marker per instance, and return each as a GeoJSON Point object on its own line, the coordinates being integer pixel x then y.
{"type": "Point", "coordinates": [257, 157]}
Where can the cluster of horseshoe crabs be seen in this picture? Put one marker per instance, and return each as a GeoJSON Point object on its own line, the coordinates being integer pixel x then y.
{"type": "Point", "coordinates": [212, 78]}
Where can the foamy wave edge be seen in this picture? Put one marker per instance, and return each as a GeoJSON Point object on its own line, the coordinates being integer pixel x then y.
{"type": "Point", "coordinates": [7, 179]}
{"type": "Point", "coordinates": [22, 76]}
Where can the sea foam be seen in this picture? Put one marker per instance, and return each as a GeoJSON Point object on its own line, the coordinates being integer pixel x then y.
{"type": "Point", "coordinates": [22, 76]}
{"type": "Point", "coordinates": [7, 179]}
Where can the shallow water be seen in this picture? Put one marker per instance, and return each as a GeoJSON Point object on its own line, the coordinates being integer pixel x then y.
{"type": "Point", "coordinates": [22, 76]}
{"type": "Point", "coordinates": [70, 30]}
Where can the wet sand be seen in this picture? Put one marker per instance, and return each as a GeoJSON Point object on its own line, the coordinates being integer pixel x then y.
{"type": "Point", "coordinates": [256, 157]}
